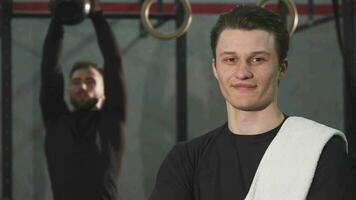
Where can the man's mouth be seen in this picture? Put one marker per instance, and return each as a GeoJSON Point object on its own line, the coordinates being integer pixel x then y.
{"type": "Point", "coordinates": [244, 86]}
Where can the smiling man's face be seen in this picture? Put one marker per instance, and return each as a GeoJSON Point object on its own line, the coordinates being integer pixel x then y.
{"type": "Point", "coordinates": [247, 68]}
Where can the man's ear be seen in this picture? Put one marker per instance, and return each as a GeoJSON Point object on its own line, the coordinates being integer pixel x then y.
{"type": "Point", "coordinates": [283, 69]}
{"type": "Point", "coordinates": [213, 66]}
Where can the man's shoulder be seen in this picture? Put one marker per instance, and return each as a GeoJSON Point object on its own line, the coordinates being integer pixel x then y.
{"type": "Point", "coordinates": [194, 149]}
{"type": "Point", "coordinates": [298, 122]}
{"type": "Point", "coordinates": [204, 139]}
{"type": "Point", "coordinates": [309, 131]}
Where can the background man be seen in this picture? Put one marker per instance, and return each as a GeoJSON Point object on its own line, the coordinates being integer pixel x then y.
{"type": "Point", "coordinates": [83, 147]}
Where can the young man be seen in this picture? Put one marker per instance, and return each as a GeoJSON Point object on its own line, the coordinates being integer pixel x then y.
{"type": "Point", "coordinates": [260, 153]}
{"type": "Point", "coordinates": [83, 147]}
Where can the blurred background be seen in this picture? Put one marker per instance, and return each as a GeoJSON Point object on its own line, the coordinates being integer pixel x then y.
{"type": "Point", "coordinates": [319, 83]}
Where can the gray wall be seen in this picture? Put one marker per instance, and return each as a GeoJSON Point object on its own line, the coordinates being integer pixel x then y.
{"type": "Point", "coordinates": [312, 88]}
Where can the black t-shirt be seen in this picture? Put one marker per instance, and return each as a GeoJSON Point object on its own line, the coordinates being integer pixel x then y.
{"type": "Point", "coordinates": [221, 165]}
{"type": "Point", "coordinates": [249, 151]}
{"type": "Point", "coordinates": [83, 148]}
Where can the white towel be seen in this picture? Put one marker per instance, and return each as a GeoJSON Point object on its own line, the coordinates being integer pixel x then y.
{"type": "Point", "coordinates": [287, 168]}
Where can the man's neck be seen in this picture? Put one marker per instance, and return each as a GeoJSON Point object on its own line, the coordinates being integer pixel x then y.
{"type": "Point", "coordinates": [254, 122]}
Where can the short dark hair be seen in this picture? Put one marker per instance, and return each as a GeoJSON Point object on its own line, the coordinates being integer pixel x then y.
{"type": "Point", "coordinates": [252, 17]}
{"type": "Point", "coordinates": [84, 65]}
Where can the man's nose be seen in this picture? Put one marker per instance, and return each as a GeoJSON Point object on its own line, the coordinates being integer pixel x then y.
{"type": "Point", "coordinates": [83, 86]}
{"type": "Point", "coordinates": [243, 71]}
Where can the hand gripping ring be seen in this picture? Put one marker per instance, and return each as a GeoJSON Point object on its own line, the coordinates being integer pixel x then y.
{"type": "Point", "coordinates": [292, 20]}
{"type": "Point", "coordinates": [170, 35]}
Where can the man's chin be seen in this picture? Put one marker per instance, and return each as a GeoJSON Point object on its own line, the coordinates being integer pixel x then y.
{"type": "Point", "coordinates": [250, 107]}
{"type": "Point", "coordinates": [84, 105]}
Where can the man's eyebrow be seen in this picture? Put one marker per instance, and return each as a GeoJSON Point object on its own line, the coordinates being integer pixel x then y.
{"type": "Point", "coordinates": [227, 53]}
{"type": "Point", "coordinates": [253, 53]}
{"type": "Point", "coordinates": [74, 79]}
{"type": "Point", "coordinates": [261, 52]}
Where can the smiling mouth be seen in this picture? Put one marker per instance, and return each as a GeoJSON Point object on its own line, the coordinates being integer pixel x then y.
{"type": "Point", "coordinates": [244, 87]}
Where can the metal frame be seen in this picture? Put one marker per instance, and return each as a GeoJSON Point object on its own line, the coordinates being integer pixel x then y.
{"type": "Point", "coordinates": [181, 80]}
{"type": "Point", "coordinates": [108, 15]}
{"type": "Point", "coordinates": [6, 93]}
{"type": "Point", "coordinates": [349, 62]}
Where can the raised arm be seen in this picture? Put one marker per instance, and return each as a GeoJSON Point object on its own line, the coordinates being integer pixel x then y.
{"type": "Point", "coordinates": [52, 81]}
{"type": "Point", "coordinates": [115, 101]}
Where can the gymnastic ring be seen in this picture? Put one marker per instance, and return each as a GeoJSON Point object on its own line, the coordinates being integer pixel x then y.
{"type": "Point", "coordinates": [292, 22]}
{"type": "Point", "coordinates": [170, 35]}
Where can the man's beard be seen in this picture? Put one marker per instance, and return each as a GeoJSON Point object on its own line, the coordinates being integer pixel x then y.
{"type": "Point", "coordinates": [86, 105]}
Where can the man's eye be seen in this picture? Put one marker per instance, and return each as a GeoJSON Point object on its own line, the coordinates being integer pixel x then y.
{"type": "Point", "coordinates": [257, 60]}
{"type": "Point", "coordinates": [75, 82]}
{"type": "Point", "coordinates": [230, 60]}
{"type": "Point", "coordinates": [90, 82]}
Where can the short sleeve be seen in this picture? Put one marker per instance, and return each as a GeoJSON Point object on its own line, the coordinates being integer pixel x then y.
{"type": "Point", "coordinates": [174, 179]}
{"type": "Point", "coordinates": [330, 177]}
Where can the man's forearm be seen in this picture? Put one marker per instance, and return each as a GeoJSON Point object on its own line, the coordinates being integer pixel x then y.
{"type": "Point", "coordinates": [52, 48]}
{"type": "Point", "coordinates": [106, 39]}
{"type": "Point", "coordinates": [52, 81]}
{"type": "Point", "coordinates": [113, 73]}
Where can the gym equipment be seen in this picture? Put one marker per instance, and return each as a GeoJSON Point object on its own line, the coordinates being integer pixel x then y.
{"type": "Point", "coordinates": [70, 12]}
{"type": "Point", "coordinates": [293, 18]}
{"type": "Point", "coordinates": [161, 35]}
